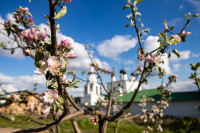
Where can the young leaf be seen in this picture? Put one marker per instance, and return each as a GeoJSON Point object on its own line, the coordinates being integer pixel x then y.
{"type": "Point", "coordinates": [138, 1]}
{"type": "Point", "coordinates": [126, 6]}
{"type": "Point", "coordinates": [163, 36]}
{"type": "Point", "coordinates": [176, 53]}
{"type": "Point", "coordinates": [195, 15]}
{"type": "Point", "coordinates": [61, 13]}
{"type": "Point", "coordinates": [165, 22]}
{"type": "Point", "coordinates": [127, 25]}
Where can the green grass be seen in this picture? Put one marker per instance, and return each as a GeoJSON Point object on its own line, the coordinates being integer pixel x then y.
{"type": "Point", "coordinates": [170, 125]}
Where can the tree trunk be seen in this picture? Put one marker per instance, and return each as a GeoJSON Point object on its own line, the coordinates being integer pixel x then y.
{"type": "Point", "coordinates": [75, 126]}
{"type": "Point", "coordinates": [117, 125]}
{"type": "Point", "coordinates": [102, 125]}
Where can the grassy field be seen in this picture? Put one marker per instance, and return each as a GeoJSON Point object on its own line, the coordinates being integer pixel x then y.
{"type": "Point", "coordinates": [171, 125]}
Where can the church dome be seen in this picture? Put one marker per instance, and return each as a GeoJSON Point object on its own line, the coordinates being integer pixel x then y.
{"type": "Point", "coordinates": [132, 74]}
{"type": "Point", "coordinates": [122, 71]}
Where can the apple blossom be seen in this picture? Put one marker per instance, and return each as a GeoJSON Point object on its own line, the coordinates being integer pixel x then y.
{"type": "Point", "coordinates": [41, 34]}
{"type": "Point", "coordinates": [71, 55]}
{"type": "Point", "coordinates": [176, 39]}
{"type": "Point", "coordinates": [50, 96]}
{"type": "Point", "coordinates": [65, 79]}
{"type": "Point", "coordinates": [184, 34]}
{"type": "Point", "coordinates": [46, 110]}
{"type": "Point", "coordinates": [54, 64]}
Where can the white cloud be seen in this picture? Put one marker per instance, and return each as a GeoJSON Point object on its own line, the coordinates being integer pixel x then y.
{"type": "Point", "coordinates": [112, 48]}
{"type": "Point", "coordinates": [82, 61]}
{"type": "Point", "coordinates": [196, 5]}
{"type": "Point", "coordinates": [184, 86]}
{"type": "Point", "coordinates": [176, 87]}
{"type": "Point", "coordinates": [181, 7]}
{"type": "Point", "coordinates": [195, 55]}
{"type": "Point", "coordinates": [175, 22]}
{"type": "Point", "coordinates": [129, 62]}
{"type": "Point", "coordinates": [151, 44]}
{"type": "Point", "coordinates": [183, 56]}
{"type": "Point", "coordinates": [176, 67]}
{"type": "Point", "coordinates": [14, 83]}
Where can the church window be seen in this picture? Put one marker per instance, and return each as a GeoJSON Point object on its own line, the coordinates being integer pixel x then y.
{"type": "Point", "coordinates": [85, 90]}
{"type": "Point", "coordinates": [97, 90]}
{"type": "Point", "coordinates": [91, 86]}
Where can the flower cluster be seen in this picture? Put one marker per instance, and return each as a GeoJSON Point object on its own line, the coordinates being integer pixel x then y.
{"type": "Point", "coordinates": [140, 55]}
{"type": "Point", "coordinates": [102, 102]}
{"type": "Point", "coordinates": [22, 16]}
{"type": "Point", "coordinates": [65, 47]}
{"type": "Point", "coordinates": [94, 120]}
{"type": "Point", "coordinates": [172, 79]}
{"type": "Point", "coordinates": [52, 64]}
{"type": "Point", "coordinates": [116, 106]}
{"type": "Point", "coordinates": [103, 70]}
{"type": "Point", "coordinates": [32, 35]}
{"type": "Point", "coordinates": [154, 115]}
{"type": "Point", "coordinates": [154, 59]}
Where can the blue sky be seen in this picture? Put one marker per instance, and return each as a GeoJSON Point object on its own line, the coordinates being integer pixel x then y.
{"type": "Point", "coordinates": [101, 23]}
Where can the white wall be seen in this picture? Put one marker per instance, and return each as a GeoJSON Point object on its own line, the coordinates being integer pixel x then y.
{"type": "Point", "coordinates": [177, 109]}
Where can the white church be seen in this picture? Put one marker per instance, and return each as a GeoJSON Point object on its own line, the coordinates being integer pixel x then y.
{"type": "Point", "coordinates": [92, 90]}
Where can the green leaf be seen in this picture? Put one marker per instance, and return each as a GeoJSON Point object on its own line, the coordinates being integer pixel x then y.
{"type": "Point", "coordinates": [163, 35]}
{"type": "Point", "coordinates": [55, 85]}
{"type": "Point", "coordinates": [127, 25]}
{"type": "Point", "coordinates": [195, 15]}
{"type": "Point", "coordinates": [12, 51]}
{"type": "Point", "coordinates": [169, 55]}
{"type": "Point", "coordinates": [63, 68]}
{"type": "Point", "coordinates": [171, 27]}
{"type": "Point", "coordinates": [61, 13]}
{"type": "Point", "coordinates": [160, 69]}
{"type": "Point", "coordinates": [38, 59]}
{"type": "Point", "coordinates": [176, 52]}
{"type": "Point", "coordinates": [128, 16]}
{"type": "Point", "coordinates": [145, 30]}
{"type": "Point", "coordinates": [2, 45]}
{"type": "Point", "coordinates": [48, 76]}
{"type": "Point", "coordinates": [126, 6]}
{"type": "Point", "coordinates": [29, 14]}
{"type": "Point", "coordinates": [138, 13]}
{"type": "Point", "coordinates": [138, 1]}
{"type": "Point", "coordinates": [165, 22]}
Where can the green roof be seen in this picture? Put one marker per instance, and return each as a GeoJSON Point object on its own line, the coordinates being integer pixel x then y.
{"type": "Point", "coordinates": [186, 96]}
{"type": "Point", "coordinates": [154, 93]}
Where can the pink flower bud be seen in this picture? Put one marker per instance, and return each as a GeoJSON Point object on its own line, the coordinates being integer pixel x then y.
{"type": "Point", "coordinates": [166, 29]}
{"type": "Point", "coordinates": [26, 52]}
{"type": "Point", "coordinates": [31, 20]}
{"type": "Point", "coordinates": [25, 9]}
{"type": "Point", "coordinates": [67, 1]}
{"type": "Point", "coordinates": [41, 34]}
